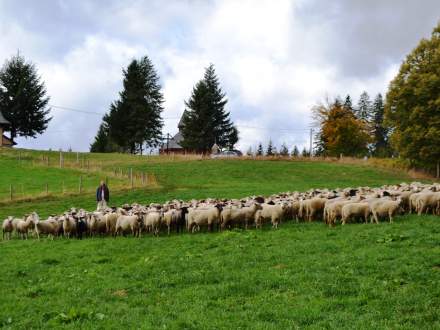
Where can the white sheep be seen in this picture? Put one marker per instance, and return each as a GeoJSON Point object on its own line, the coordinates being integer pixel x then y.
{"type": "Point", "coordinates": [69, 226]}
{"type": "Point", "coordinates": [152, 220]}
{"type": "Point", "coordinates": [24, 225]}
{"type": "Point", "coordinates": [383, 208]}
{"type": "Point", "coordinates": [272, 213]}
{"type": "Point", "coordinates": [208, 216]}
{"type": "Point", "coordinates": [7, 227]}
{"type": "Point", "coordinates": [171, 218]}
{"type": "Point", "coordinates": [50, 227]}
{"type": "Point", "coordinates": [126, 223]}
{"type": "Point", "coordinates": [355, 210]}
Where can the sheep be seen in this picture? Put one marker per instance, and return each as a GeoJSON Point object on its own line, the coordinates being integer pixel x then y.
{"type": "Point", "coordinates": [7, 227]}
{"type": "Point", "coordinates": [380, 209]}
{"type": "Point", "coordinates": [428, 201]}
{"type": "Point", "coordinates": [248, 213]}
{"type": "Point", "coordinates": [208, 216]}
{"type": "Point", "coordinates": [97, 224]}
{"type": "Point", "coordinates": [50, 227]}
{"type": "Point", "coordinates": [292, 211]}
{"type": "Point", "coordinates": [359, 209]}
{"type": "Point", "coordinates": [314, 206]}
{"type": "Point", "coordinates": [229, 215]}
{"type": "Point", "coordinates": [274, 213]}
{"type": "Point", "coordinates": [334, 210]}
{"type": "Point", "coordinates": [152, 220]}
{"type": "Point", "coordinates": [126, 223]}
{"type": "Point", "coordinates": [176, 218]}
{"type": "Point", "coordinates": [413, 201]}
{"type": "Point", "coordinates": [23, 226]}
{"type": "Point", "coordinates": [69, 226]}
{"type": "Point", "coordinates": [110, 223]}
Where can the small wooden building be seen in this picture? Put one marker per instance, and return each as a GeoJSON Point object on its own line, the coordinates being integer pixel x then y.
{"type": "Point", "coordinates": [4, 126]}
{"type": "Point", "coordinates": [173, 144]}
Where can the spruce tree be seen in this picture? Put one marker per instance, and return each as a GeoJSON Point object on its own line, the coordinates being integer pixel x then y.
{"type": "Point", "coordinates": [269, 150]}
{"type": "Point", "coordinates": [101, 142]}
{"type": "Point", "coordinates": [205, 120]}
{"type": "Point", "coordinates": [363, 110]}
{"type": "Point", "coordinates": [260, 150]}
{"type": "Point", "coordinates": [23, 99]}
{"type": "Point", "coordinates": [380, 132]}
{"type": "Point", "coordinates": [134, 120]}
{"type": "Point", "coordinates": [348, 104]}
{"type": "Point", "coordinates": [295, 151]}
{"type": "Point", "coordinates": [305, 153]}
{"type": "Point", "coordinates": [284, 151]}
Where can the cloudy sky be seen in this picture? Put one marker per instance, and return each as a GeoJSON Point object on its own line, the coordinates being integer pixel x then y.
{"type": "Point", "coordinates": [274, 58]}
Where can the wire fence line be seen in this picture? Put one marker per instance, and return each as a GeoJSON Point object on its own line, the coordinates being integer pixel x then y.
{"type": "Point", "coordinates": [85, 178]}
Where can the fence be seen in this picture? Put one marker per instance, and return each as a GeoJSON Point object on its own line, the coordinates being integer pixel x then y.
{"type": "Point", "coordinates": [84, 178]}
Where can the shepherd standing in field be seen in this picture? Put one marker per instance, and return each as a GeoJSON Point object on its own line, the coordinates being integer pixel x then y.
{"type": "Point", "coordinates": [102, 196]}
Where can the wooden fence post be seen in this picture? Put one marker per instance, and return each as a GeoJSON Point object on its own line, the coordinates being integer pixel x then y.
{"type": "Point", "coordinates": [61, 159]}
{"type": "Point", "coordinates": [10, 192]}
{"type": "Point", "coordinates": [131, 177]}
{"type": "Point", "coordinates": [143, 178]}
{"type": "Point", "coordinates": [47, 189]}
{"type": "Point", "coordinates": [77, 158]}
{"type": "Point", "coordinates": [63, 187]}
{"type": "Point", "coordinates": [80, 183]}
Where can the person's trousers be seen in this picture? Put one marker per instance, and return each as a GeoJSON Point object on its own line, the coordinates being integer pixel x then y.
{"type": "Point", "coordinates": [102, 205]}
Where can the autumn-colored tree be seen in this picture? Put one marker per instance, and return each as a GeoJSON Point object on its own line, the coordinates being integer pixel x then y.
{"type": "Point", "coordinates": [412, 108]}
{"type": "Point", "coordinates": [340, 132]}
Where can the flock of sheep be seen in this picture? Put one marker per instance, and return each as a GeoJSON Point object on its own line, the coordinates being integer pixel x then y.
{"type": "Point", "coordinates": [330, 206]}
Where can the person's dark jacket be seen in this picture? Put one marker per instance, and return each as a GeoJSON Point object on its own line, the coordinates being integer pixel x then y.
{"type": "Point", "coordinates": [99, 193]}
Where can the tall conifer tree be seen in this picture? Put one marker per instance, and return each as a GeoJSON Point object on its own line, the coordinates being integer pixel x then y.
{"type": "Point", "coordinates": [205, 120]}
{"type": "Point", "coordinates": [23, 99]}
{"type": "Point", "coordinates": [134, 120]}
{"type": "Point", "coordinates": [380, 133]}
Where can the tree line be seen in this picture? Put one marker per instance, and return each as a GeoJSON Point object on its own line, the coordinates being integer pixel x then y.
{"type": "Point", "coordinates": [271, 150]}
{"type": "Point", "coordinates": [134, 120]}
{"type": "Point", "coordinates": [406, 123]}
{"type": "Point", "coordinates": [351, 130]}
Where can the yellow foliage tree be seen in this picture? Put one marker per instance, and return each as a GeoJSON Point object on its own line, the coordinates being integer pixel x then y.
{"type": "Point", "coordinates": [340, 131]}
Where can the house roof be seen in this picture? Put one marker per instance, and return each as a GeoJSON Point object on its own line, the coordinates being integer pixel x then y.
{"type": "Point", "coordinates": [174, 142]}
{"type": "Point", "coordinates": [180, 124]}
{"type": "Point", "coordinates": [3, 121]}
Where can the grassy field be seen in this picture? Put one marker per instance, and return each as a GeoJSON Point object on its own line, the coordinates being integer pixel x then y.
{"type": "Point", "coordinates": [301, 276]}
{"type": "Point", "coordinates": [183, 178]}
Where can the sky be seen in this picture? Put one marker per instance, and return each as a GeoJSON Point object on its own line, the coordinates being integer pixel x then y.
{"type": "Point", "coordinates": [275, 58]}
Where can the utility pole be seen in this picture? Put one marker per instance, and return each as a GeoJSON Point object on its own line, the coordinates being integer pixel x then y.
{"type": "Point", "coordinates": [311, 142]}
{"type": "Point", "coordinates": [168, 143]}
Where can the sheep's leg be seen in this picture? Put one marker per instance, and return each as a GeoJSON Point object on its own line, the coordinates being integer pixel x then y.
{"type": "Point", "coordinates": [390, 215]}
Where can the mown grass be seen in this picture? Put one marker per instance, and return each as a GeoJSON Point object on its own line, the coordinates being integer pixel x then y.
{"type": "Point", "coordinates": [300, 276]}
